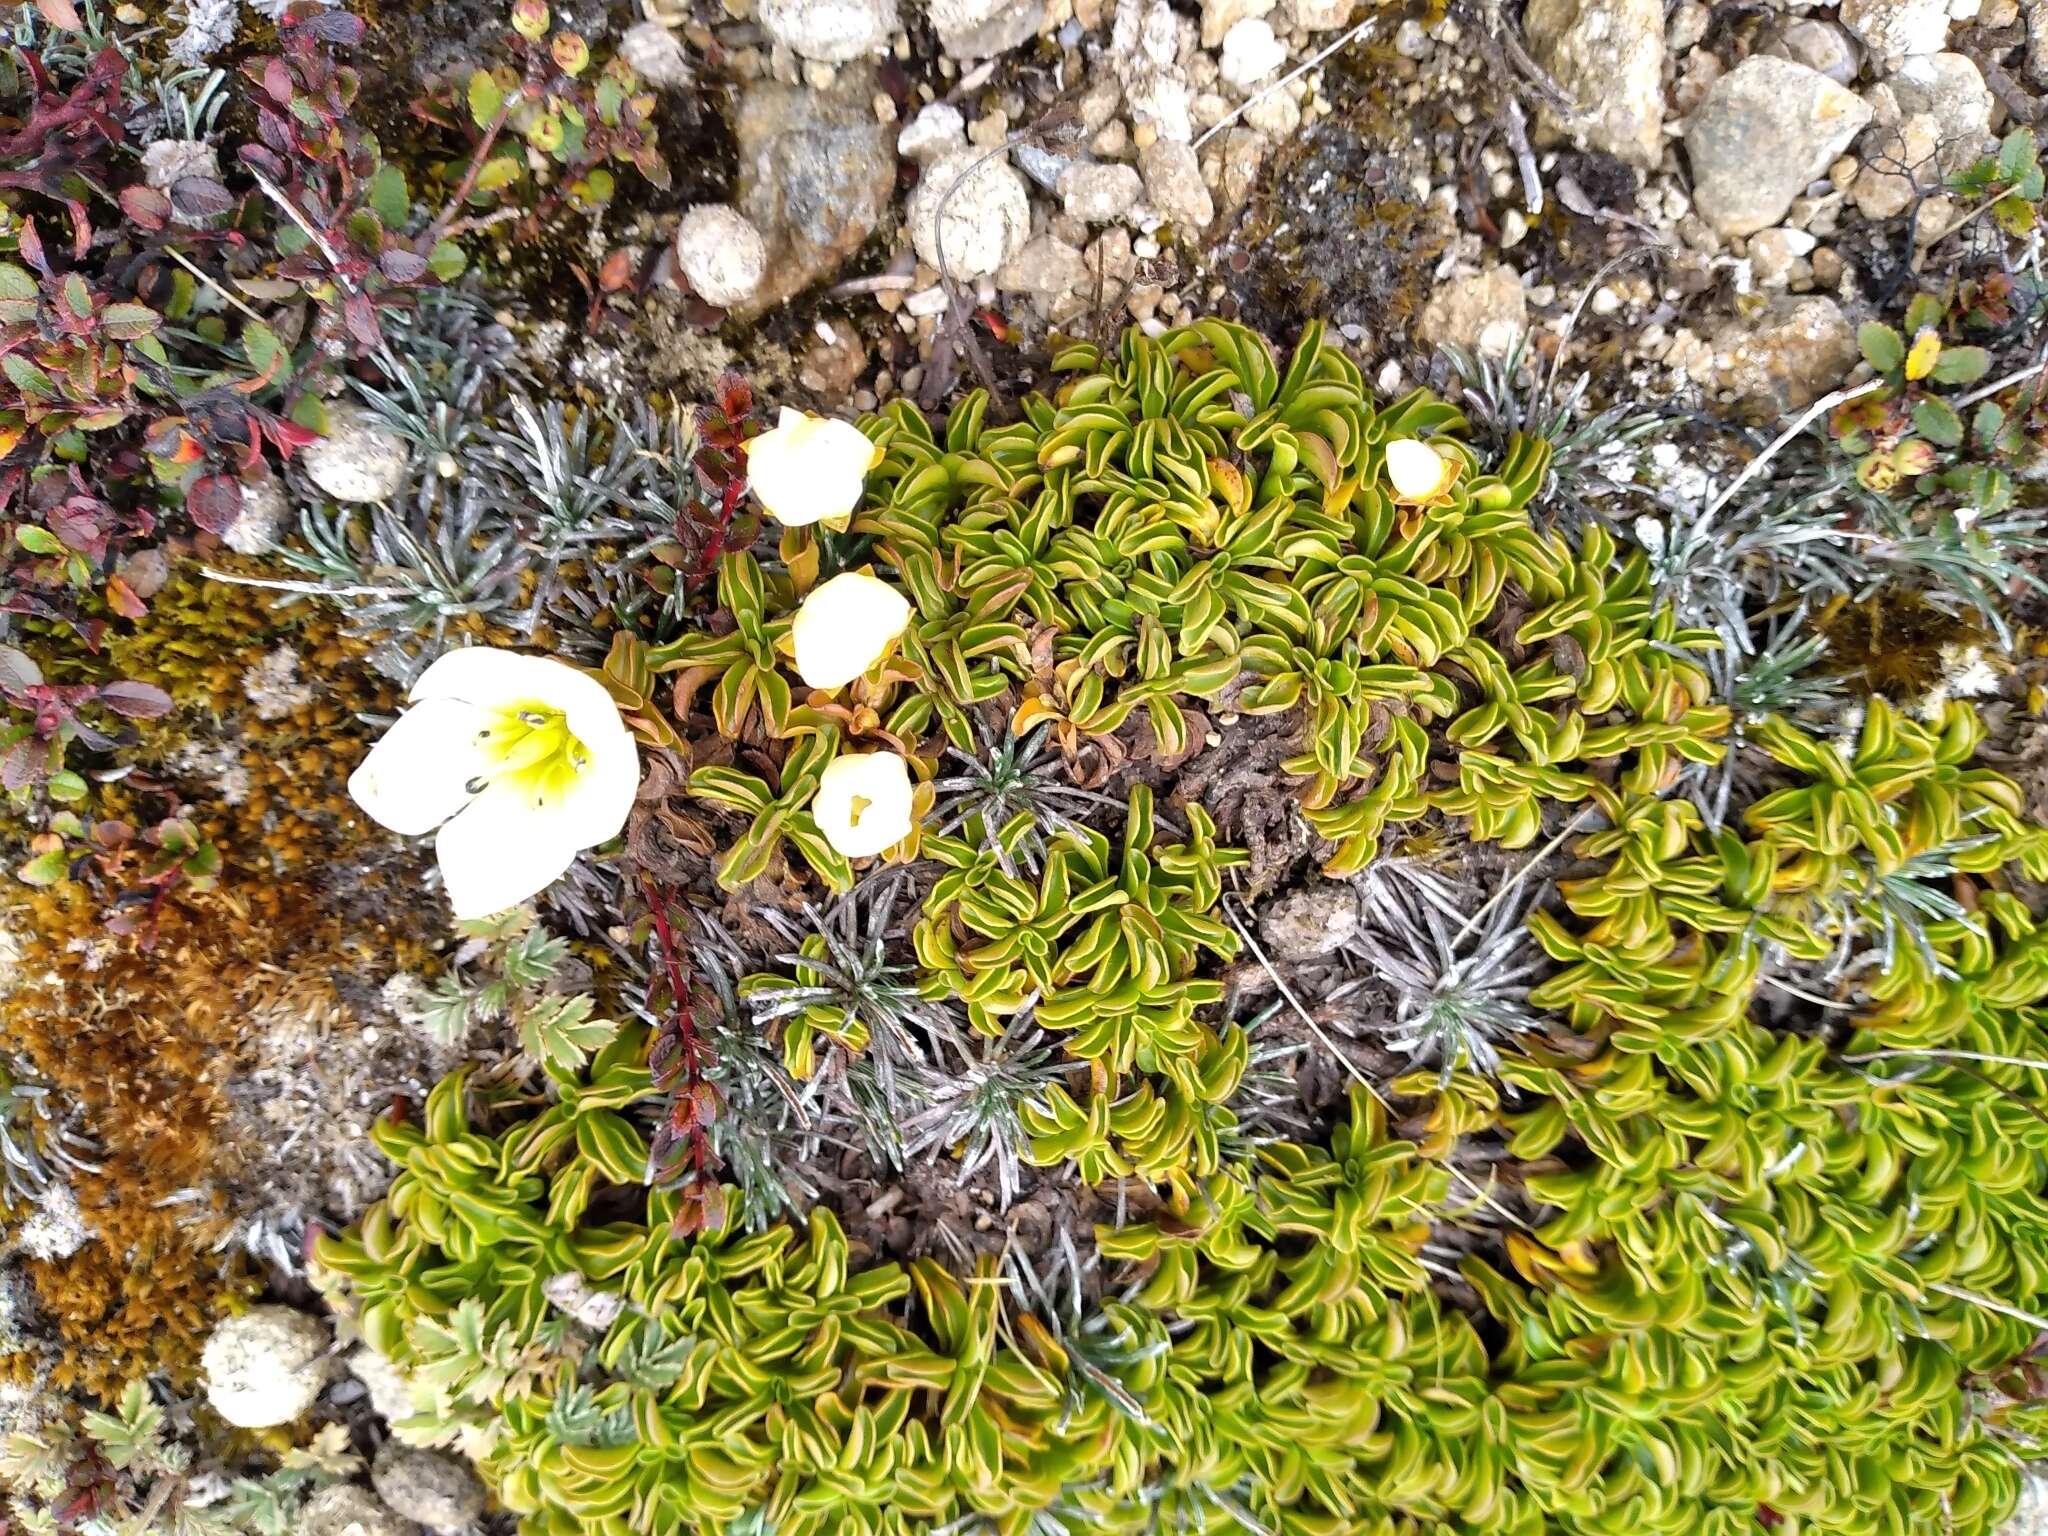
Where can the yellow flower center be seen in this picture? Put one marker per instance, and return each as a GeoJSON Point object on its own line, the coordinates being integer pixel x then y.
{"type": "Point", "coordinates": [530, 748]}
{"type": "Point", "coordinates": [858, 810]}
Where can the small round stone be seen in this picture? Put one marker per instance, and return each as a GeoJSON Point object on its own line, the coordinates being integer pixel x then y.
{"type": "Point", "coordinates": [721, 254]}
{"type": "Point", "coordinates": [346, 1509]}
{"type": "Point", "coordinates": [265, 1367]}
{"type": "Point", "coordinates": [359, 458]}
{"type": "Point", "coordinates": [438, 1491]}
{"type": "Point", "coordinates": [986, 214]}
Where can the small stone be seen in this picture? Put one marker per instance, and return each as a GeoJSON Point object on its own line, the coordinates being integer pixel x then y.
{"type": "Point", "coordinates": [1687, 27]}
{"type": "Point", "coordinates": [1113, 143]}
{"type": "Point", "coordinates": [1950, 88]}
{"type": "Point", "coordinates": [1774, 254]}
{"type": "Point", "coordinates": [346, 1509]}
{"type": "Point", "coordinates": [146, 571]}
{"type": "Point", "coordinates": [1514, 228]}
{"type": "Point", "coordinates": [1046, 269]}
{"type": "Point", "coordinates": [1609, 55]}
{"type": "Point", "coordinates": [1819, 45]}
{"type": "Point", "coordinates": [359, 459]}
{"type": "Point", "coordinates": [1219, 16]}
{"type": "Point", "coordinates": [986, 214]}
{"type": "Point", "coordinates": [1899, 166]}
{"type": "Point", "coordinates": [1041, 165]}
{"type": "Point", "coordinates": [1785, 358]}
{"type": "Point", "coordinates": [1323, 15]}
{"type": "Point", "coordinates": [166, 162]}
{"type": "Point", "coordinates": [721, 254]}
{"type": "Point", "coordinates": [1893, 30]}
{"type": "Point", "coordinates": [1173, 184]}
{"type": "Point", "coordinates": [259, 520]}
{"type": "Point", "coordinates": [1412, 40]}
{"type": "Point", "coordinates": [1827, 267]}
{"type": "Point", "coordinates": [1276, 114]}
{"type": "Point", "coordinates": [937, 130]}
{"type": "Point", "coordinates": [1099, 193]}
{"type": "Point", "coordinates": [389, 1387]}
{"type": "Point", "coordinates": [1486, 313]}
{"type": "Point", "coordinates": [438, 1491]}
{"type": "Point", "coordinates": [981, 29]}
{"type": "Point", "coordinates": [1251, 52]}
{"type": "Point", "coordinates": [831, 31]}
{"type": "Point", "coordinates": [265, 1367]}
{"type": "Point", "coordinates": [2037, 41]}
{"type": "Point", "coordinates": [1312, 922]}
{"type": "Point", "coordinates": [580, 1300]}
{"type": "Point", "coordinates": [656, 55]}
{"type": "Point", "coordinates": [1767, 128]}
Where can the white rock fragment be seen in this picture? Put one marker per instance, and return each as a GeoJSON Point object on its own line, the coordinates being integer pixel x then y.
{"type": "Point", "coordinates": [1099, 193]}
{"type": "Point", "coordinates": [1251, 52]}
{"type": "Point", "coordinates": [265, 1367]}
{"type": "Point", "coordinates": [938, 130]}
{"type": "Point", "coordinates": [721, 253]}
{"type": "Point", "coordinates": [985, 210]}
{"type": "Point", "coordinates": [1173, 184]}
{"type": "Point", "coordinates": [829, 31]}
{"type": "Point", "coordinates": [261, 519]}
{"type": "Point", "coordinates": [360, 459]}
{"type": "Point", "coordinates": [656, 55]}
{"type": "Point", "coordinates": [346, 1509]}
{"type": "Point", "coordinates": [438, 1491]}
{"type": "Point", "coordinates": [390, 1388]}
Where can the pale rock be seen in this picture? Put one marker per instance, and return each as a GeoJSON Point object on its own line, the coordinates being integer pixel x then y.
{"type": "Point", "coordinates": [1312, 922]}
{"type": "Point", "coordinates": [1144, 50]}
{"type": "Point", "coordinates": [346, 1509]}
{"type": "Point", "coordinates": [1609, 56]}
{"type": "Point", "coordinates": [1323, 15]}
{"type": "Point", "coordinates": [260, 521]}
{"type": "Point", "coordinates": [438, 1491]}
{"type": "Point", "coordinates": [721, 254]}
{"type": "Point", "coordinates": [2037, 41]}
{"type": "Point", "coordinates": [1173, 184]}
{"type": "Point", "coordinates": [983, 208]}
{"type": "Point", "coordinates": [1687, 27]}
{"type": "Point", "coordinates": [166, 162]}
{"type": "Point", "coordinates": [1818, 45]}
{"type": "Point", "coordinates": [1046, 269]}
{"type": "Point", "coordinates": [937, 130]}
{"type": "Point", "coordinates": [831, 31]}
{"type": "Point", "coordinates": [1950, 88]}
{"type": "Point", "coordinates": [1276, 115]}
{"type": "Point", "coordinates": [359, 458]}
{"type": "Point", "coordinates": [265, 1367]}
{"type": "Point", "coordinates": [389, 1386]}
{"type": "Point", "coordinates": [575, 1296]}
{"type": "Point", "coordinates": [1099, 193]}
{"type": "Point", "coordinates": [981, 29]}
{"type": "Point", "coordinates": [1899, 166]}
{"type": "Point", "coordinates": [1485, 313]}
{"type": "Point", "coordinates": [1231, 163]}
{"type": "Point", "coordinates": [1766, 129]}
{"type": "Point", "coordinates": [1219, 16]}
{"type": "Point", "coordinates": [656, 55]}
{"type": "Point", "coordinates": [1251, 52]}
{"type": "Point", "coordinates": [1412, 40]}
{"type": "Point", "coordinates": [1783, 359]}
{"type": "Point", "coordinates": [1893, 30]}
{"type": "Point", "coordinates": [1775, 254]}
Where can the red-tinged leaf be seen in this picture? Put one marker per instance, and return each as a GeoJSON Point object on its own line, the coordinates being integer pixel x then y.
{"type": "Point", "coordinates": [61, 14]}
{"type": "Point", "coordinates": [201, 197]}
{"type": "Point", "coordinates": [215, 501]}
{"type": "Point", "coordinates": [31, 246]}
{"type": "Point", "coordinates": [735, 396]}
{"type": "Point", "coordinates": [77, 297]}
{"type": "Point", "coordinates": [616, 272]}
{"type": "Point", "coordinates": [138, 701]}
{"type": "Point", "coordinates": [277, 80]}
{"type": "Point", "coordinates": [123, 599]}
{"type": "Point", "coordinates": [402, 266]}
{"type": "Point", "coordinates": [18, 669]}
{"type": "Point", "coordinates": [23, 763]}
{"type": "Point", "coordinates": [171, 443]}
{"type": "Point", "coordinates": [361, 317]}
{"type": "Point", "coordinates": [148, 209]}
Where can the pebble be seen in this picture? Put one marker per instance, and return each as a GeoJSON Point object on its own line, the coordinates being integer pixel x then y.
{"type": "Point", "coordinates": [1484, 313]}
{"type": "Point", "coordinates": [980, 29]}
{"type": "Point", "coordinates": [1219, 16]}
{"type": "Point", "coordinates": [438, 1491]}
{"type": "Point", "coordinates": [1311, 922]}
{"type": "Point", "coordinates": [1818, 45]}
{"type": "Point", "coordinates": [655, 55]}
{"type": "Point", "coordinates": [986, 214]}
{"type": "Point", "coordinates": [830, 31]}
{"type": "Point", "coordinates": [1251, 52]}
{"type": "Point", "coordinates": [938, 129]}
{"type": "Point", "coordinates": [1950, 88]}
{"type": "Point", "coordinates": [165, 162]}
{"type": "Point", "coordinates": [344, 1509]}
{"type": "Point", "coordinates": [1766, 129]}
{"type": "Point", "coordinates": [261, 518]}
{"type": "Point", "coordinates": [1173, 184]}
{"type": "Point", "coordinates": [1899, 164]}
{"type": "Point", "coordinates": [359, 459]}
{"type": "Point", "coordinates": [721, 253]}
{"type": "Point", "coordinates": [265, 1367]}
{"type": "Point", "coordinates": [1323, 15]}
{"type": "Point", "coordinates": [1609, 56]}
{"type": "Point", "coordinates": [1893, 30]}
{"type": "Point", "coordinates": [1099, 193]}
{"type": "Point", "coordinates": [1784, 358]}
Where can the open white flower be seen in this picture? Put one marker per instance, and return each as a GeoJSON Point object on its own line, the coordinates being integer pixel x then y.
{"type": "Point", "coordinates": [844, 627]}
{"type": "Point", "coordinates": [519, 761]}
{"type": "Point", "coordinates": [810, 469]}
{"type": "Point", "coordinates": [1416, 470]}
{"type": "Point", "coordinates": [863, 802]}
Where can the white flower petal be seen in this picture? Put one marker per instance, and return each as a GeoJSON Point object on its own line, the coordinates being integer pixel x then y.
{"type": "Point", "coordinates": [863, 802]}
{"type": "Point", "coordinates": [417, 775]}
{"type": "Point", "coordinates": [496, 853]}
{"type": "Point", "coordinates": [602, 794]}
{"type": "Point", "coordinates": [844, 626]}
{"type": "Point", "coordinates": [1416, 470]}
{"type": "Point", "coordinates": [809, 468]}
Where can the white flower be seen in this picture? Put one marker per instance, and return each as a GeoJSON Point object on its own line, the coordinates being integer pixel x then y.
{"type": "Point", "coordinates": [844, 627]}
{"type": "Point", "coordinates": [810, 469]}
{"type": "Point", "coordinates": [1417, 470]}
{"type": "Point", "coordinates": [519, 761]}
{"type": "Point", "coordinates": [863, 802]}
